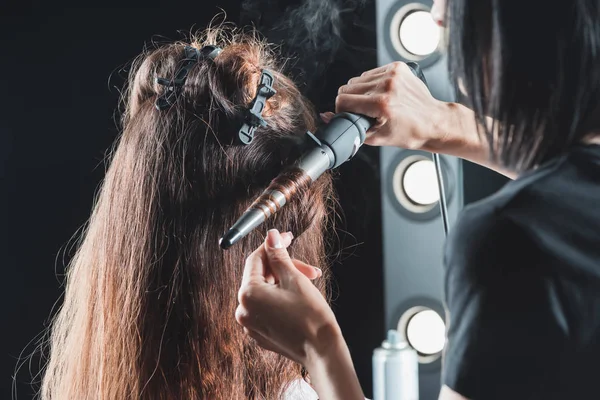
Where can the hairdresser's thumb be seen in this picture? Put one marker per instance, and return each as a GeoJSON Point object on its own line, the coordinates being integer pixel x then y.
{"type": "Point", "coordinates": [278, 257]}
{"type": "Point", "coordinates": [327, 116]}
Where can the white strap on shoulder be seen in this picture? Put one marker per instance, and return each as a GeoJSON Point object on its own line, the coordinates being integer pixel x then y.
{"type": "Point", "coordinates": [300, 390]}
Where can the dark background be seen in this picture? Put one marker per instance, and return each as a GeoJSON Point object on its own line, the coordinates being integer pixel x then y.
{"type": "Point", "coordinates": [60, 70]}
{"type": "Point", "coordinates": [59, 73]}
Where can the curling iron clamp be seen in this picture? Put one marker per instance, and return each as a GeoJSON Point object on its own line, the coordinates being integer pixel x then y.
{"type": "Point", "coordinates": [332, 145]}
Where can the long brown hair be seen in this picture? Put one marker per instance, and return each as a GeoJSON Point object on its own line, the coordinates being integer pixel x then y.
{"type": "Point", "coordinates": [150, 297]}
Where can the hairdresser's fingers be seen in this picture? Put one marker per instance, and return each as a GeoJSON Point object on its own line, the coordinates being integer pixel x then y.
{"type": "Point", "coordinates": [286, 241]}
{"type": "Point", "coordinates": [366, 78]}
{"type": "Point", "coordinates": [248, 319]}
{"type": "Point", "coordinates": [327, 116]}
{"type": "Point", "coordinates": [374, 138]}
{"type": "Point", "coordinates": [372, 87]}
{"type": "Point", "coordinates": [256, 266]}
{"type": "Point", "coordinates": [438, 11]}
{"type": "Point", "coordinates": [287, 238]}
{"type": "Point", "coordinates": [371, 106]}
{"type": "Point", "coordinates": [278, 257]}
{"type": "Point", "coordinates": [307, 270]}
{"type": "Point", "coordinates": [242, 316]}
{"type": "Point", "coordinates": [380, 70]}
{"type": "Point", "coordinates": [270, 278]}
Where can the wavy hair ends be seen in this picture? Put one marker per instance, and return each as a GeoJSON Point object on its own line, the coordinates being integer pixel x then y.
{"type": "Point", "coordinates": [150, 297]}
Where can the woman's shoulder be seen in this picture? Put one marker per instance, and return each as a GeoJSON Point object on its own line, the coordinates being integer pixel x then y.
{"type": "Point", "coordinates": [491, 230]}
{"type": "Point", "coordinates": [548, 217]}
{"type": "Point", "coordinates": [539, 202]}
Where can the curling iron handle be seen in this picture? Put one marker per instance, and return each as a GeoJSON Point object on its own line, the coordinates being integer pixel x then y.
{"type": "Point", "coordinates": [343, 136]}
{"type": "Point", "coordinates": [417, 71]}
{"type": "Point", "coordinates": [362, 122]}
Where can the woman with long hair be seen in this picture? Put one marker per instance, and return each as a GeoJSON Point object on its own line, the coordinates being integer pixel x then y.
{"type": "Point", "coordinates": [149, 304]}
{"type": "Point", "coordinates": [522, 270]}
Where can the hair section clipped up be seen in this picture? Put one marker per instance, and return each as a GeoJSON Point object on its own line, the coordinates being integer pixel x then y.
{"type": "Point", "coordinates": [252, 118]}
{"type": "Point", "coordinates": [172, 86]}
{"type": "Point", "coordinates": [150, 297]}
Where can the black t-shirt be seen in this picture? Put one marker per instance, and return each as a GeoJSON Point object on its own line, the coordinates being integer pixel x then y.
{"type": "Point", "coordinates": [522, 287]}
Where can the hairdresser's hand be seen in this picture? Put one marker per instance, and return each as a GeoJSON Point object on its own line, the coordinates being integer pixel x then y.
{"type": "Point", "coordinates": [307, 270]}
{"type": "Point", "coordinates": [438, 12]}
{"type": "Point", "coordinates": [408, 116]}
{"type": "Point", "coordinates": [289, 316]}
{"type": "Point", "coordinates": [292, 318]}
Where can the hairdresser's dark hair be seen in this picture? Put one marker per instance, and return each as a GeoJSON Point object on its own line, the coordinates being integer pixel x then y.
{"type": "Point", "coordinates": [533, 66]}
{"type": "Point", "coordinates": [150, 296]}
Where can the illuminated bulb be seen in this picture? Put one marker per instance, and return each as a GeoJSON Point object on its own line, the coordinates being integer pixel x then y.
{"type": "Point", "coordinates": [426, 332]}
{"type": "Point", "coordinates": [420, 183]}
{"type": "Point", "coordinates": [419, 34]}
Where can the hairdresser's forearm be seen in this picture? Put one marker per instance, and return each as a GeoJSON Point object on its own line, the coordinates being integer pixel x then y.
{"type": "Point", "coordinates": [332, 372]}
{"type": "Point", "coordinates": [458, 137]}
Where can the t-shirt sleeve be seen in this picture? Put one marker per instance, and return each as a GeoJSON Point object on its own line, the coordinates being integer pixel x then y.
{"type": "Point", "coordinates": [505, 327]}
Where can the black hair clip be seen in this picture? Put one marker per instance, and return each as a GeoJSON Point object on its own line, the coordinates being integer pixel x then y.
{"type": "Point", "coordinates": [210, 52]}
{"type": "Point", "coordinates": [253, 118]}
{"type": "Point", "coordinates": [173, 86]}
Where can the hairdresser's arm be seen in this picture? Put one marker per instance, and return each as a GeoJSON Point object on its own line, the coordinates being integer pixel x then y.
{"type": "Point", "coordinates": [457, 136]}
{"type": "Point", "coordinates": [409, 117]}
{"type": "Point", "coordinates": [291, 317]}
{"type": "Point", "coordinates": [332, 371]}
{"type": "Point", "coordinates": [284, 312]}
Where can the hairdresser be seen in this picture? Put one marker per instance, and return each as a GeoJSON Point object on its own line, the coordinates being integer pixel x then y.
{"type": "Point", "coordinates": [522, 268]}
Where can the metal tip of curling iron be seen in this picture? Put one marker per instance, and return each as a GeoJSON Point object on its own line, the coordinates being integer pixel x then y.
{"type": "Point", "coordinates": [229, 239]}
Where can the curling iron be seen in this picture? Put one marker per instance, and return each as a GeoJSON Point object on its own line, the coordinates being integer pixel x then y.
{"type": "Point", "coordinates": [333, 144]}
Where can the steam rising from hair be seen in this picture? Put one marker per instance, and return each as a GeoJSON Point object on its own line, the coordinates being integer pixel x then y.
{"type": "Point", "coordinates": [311, 30]}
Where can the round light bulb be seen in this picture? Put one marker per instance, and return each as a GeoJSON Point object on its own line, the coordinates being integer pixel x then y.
{"type": "Point", "coordinates": [426, 332]}
{"type": "Point", "coordinates": [420, 183]}
{"type": "Point", "coordinates": [419, 34]}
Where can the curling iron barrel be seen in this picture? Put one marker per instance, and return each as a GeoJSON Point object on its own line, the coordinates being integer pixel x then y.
{"type": "Point", "coordinates": [332, 145]}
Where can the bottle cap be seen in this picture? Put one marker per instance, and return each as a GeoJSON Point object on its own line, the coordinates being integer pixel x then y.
{"type": "Point", "coordinates": [394, 340]}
